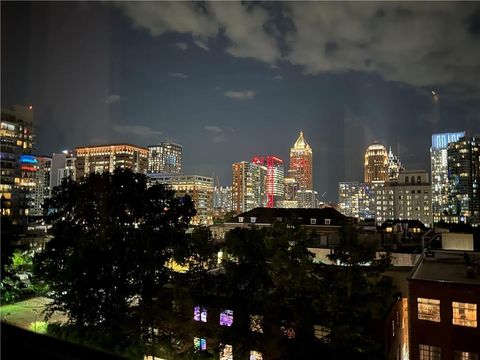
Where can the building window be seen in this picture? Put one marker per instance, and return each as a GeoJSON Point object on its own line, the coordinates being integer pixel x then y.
{"type": "Point", "coordinates": [465, 355]}
{"type": "Point", "coordinates": [226, 318]}
{"type": "Point", "coordinates": [226, 353]}
{"type": "Point", "coordinates": [200, 314]}
{"type": "Point", "coordinates": [256, 355]}
{"type": "Point", "coordinates": [464, 314]}
{"type": "Point", "coordinates": [256, 323]}
{"type": "Point", "coordinates": [240, 219]}
{"type": "Point", "coordinates": [313, 221]}
{"type": "Point", "coordinates": [199, 344]}
{"type": "Point", "coordinates": [393, 328]}
{"type": "Point", "coordinates": [321, 332]}
{"type": "Point", "coordinates": [253, 220]}
{"type": "Point", "coordinates": [429, 309]}
{"type": "Point", "coordinates": [327, 221]}
{"type": "Point", "coordinates": [427, 352]}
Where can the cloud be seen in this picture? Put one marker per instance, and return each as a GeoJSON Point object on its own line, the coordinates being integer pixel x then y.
{"type": "Point", "coordinates": [201, 44]}
{"type": "Point", "coordinates": [278, 77]}
{"type": "Point", "coordinates": [112, 99]}
{"type": "Point", "coordinates": [214, 129]}
{"type": "Point", "coordinates": [138, 130]}
{"type": "Point", "coordinates": [240, 95]}
{"type": "Point", "coordinates": [181, 45]}
{"type": "Point", "coordinates": [178, 75]}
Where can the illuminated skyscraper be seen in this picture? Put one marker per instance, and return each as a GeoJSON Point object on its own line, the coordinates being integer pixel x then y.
{"type": "Point", "coordinates": [199, 188]}
{"type": "Point", "coordinates": [301, 163]}
{"type": "Point", "coordinates": [17, 139]}
{"type": "Point", "coordinates": [101, 158]}
{"type": "Point", "coordinates": [376, 164]}
{"type": "Point", "coordinates": [274, 181]}
{"type": "Point", "coordinates": [291, 189]}
{"type": "Point", "coordinates": [222, 200]}
{"type": "Point", "coordinates": [439, 163]}
{"type": "Point", "coordinates": [42, 184]}
{"type": "Point", "coordinates": [248, 186]}
{"type": "Point", "coordinates": [165, 157]}
{"type": "Point", "coordinates": [356, 199]}
{"type": "Point", "coordinates": [394, 166]}
{"type": "Point", "coordinates": [464, 180]}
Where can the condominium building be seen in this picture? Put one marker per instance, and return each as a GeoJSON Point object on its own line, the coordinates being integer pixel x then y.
{"type": "Point", "coordinates": [199, 188]}
{"type": "Point", "coordinates": [222, 199]}
{"type": "Point", "coordinates": [41, 190]}
{"type": "Point", "coordinates": [248, 186]}
{"type": "Point", "coordinates": [105, 158]}
{"type": "Point", "coordinates": [165, 157]}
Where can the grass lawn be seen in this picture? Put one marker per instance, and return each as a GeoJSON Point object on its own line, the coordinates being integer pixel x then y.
{"type": "Point", "coordinates": [25, 313]}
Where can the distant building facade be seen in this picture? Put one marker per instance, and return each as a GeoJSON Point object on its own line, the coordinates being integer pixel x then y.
{"type": "Point", "coordinates": [356, 199]}
{"type": "Point", "coordinates": [42, 184]}
{"type": "Point", "coordinates": [63, 166]}
{"type": "Point", "coordinates": [105, 158]}
{"type": "Point", "coordinates": [394, 166]}
{"type": "Point", "coordinates": [199, 188]}
{"type": "Point", "coordinates": [439, 175]}
{"type": "Point", "coordinates": [464, 180]}
{"type": "Point", "coordinates": [222, 200]}
{"type": "Point", "coordinates": [165, 157]}
{"type": "Point", "coordinates": [301, 163]}
{"type": "Point", "coordinates": [409, 198]}
{"type": "Point", "coordinates": [376, 164]}
{"type": "Point", "coordinates": [274, 180]}
{"type": "Point", "coordinates": [17, 141]}
{"type": "Point", "coordinates": [307, 199]}
{"type": "Point", "coordinates": [248, 186]}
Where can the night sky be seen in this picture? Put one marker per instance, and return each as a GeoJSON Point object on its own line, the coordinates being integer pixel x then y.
{"type": "Point", "coordinates": [232, 80]}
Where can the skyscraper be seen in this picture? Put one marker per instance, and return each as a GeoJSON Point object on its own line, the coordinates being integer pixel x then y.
{"type": "Point", "coordinates": [274, 181]}
{"type": "Point", "coordinates": [394, 166]}
{"type": "Point", "coordinates": [464, 180]}
{"type": "Point", "coordinates": [439, 176]}
{"type": "Point", "coordinates": [165, 157]}
{"type": "Point", "coordinates": [222, 200]}
{"type": "Point", "coordinates": [42, 184]}
{"type": "Point", "coordinates": [100, 158]}
{"type": "Point", "coordinates": [356, 199]}
{"type": "Point", "coordinates": [376, 164]}
{"type": "Point", "coordinates": [301, 163]}
{"type": "Point", "coordinates": [248, 186]}
{"type": "Point", "coordinates": [17, 139]}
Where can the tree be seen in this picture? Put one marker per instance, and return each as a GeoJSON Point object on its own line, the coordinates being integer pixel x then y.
{"type": "Point", "coordinates": [112, 237]}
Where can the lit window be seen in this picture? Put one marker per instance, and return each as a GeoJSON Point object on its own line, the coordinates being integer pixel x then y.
{"type": "Point", "coordinates": [429, 309]}
{"type": "Point", "coordinates": [465, 355]}
{"type": "Point", "coordinates": [226, 318]}
{"type": "Point", "coordinates": [256, 323]}
{"type": "Point", "coordinates": [427, 352]}
{"type": "Point", "coordinates": [313, 221]}
{"type": "Point", "coordinates": [199, 344]}
{"type": "Point", "coordinates": [256, 355]}
{"type": "Point", "coordinates": [226, 353]}
{"type": "Point", "coordinates": [200, 314]}
{"type": "Point", "coordinates": [321, 332]}
{"type": "Point", "coordinates": [464, 314]}
{"type": "Point", "coordinates": [327, 221]}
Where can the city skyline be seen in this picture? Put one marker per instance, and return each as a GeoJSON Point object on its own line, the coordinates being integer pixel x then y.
{"type": "Point", "coordinates": [224, 97]}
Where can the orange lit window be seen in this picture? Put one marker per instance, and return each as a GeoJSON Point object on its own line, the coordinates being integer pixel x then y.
{"type": "Point", "coordinates": [465, 355]}
{"type": "Point", "coordinates": [464, 314]}
{"type": "Point", "coordinates": [427, 352]}
{"type": "Point", "coordinates": [428, 309]}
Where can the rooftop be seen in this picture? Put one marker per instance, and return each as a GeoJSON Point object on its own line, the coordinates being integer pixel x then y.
{"type": "Point", "coordinates": [448, 266]}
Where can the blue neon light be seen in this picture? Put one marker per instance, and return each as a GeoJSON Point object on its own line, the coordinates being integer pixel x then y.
{"type": "Point", "coordinates": [441, 141]}
{"type": "Point", "coordinates": [28, 159]}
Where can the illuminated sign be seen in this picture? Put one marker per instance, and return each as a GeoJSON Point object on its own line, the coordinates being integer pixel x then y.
{"type": "Point", "coordinates": [441, 141]}
{"type": "Point", "coordinates": [28, 159]}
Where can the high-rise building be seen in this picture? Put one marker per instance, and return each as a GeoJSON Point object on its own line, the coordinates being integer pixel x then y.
{"type": "Point", "coordinates": [274, 181]}
{"type": "Point", "coordinates": [307, 199]}
{"type": "Point", "coordinates": [464, 180]}
{"type": "Point", "coordinates": [376, 164]}
{"type": "Point", "coordinates": [408, 198]}
{"type": "Point", "coordinates": [356, 199]}
{"type": "Point", "coordinates": [222, 200]}
{"type": "Point", "coordinates": [439, 176]}
{"type": "Point", "coordinates": [165, 157]}
{"type": "Point", "coordinates": [301, 163]}
{"type": "Point", "coordinates": [394, 166]}
{"type": "Point", "coordinates": [42, 184]}
{"type": "Point", "coordinates": [17, 139]}
{"type": "Point", "coordinates": [291, 188]}
{"type": "Point", "coordinates": [199, 188]}
{"type": "Point", "coordinates": [101, 158]}
{"type": "Point", "coordinates": [63, 166]}
{"type": "Point", "coordinates": [248, 186]}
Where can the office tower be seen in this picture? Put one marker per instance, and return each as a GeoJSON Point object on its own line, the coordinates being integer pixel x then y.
{"type": "Point", "coordinates": [394, 166]}
{"type": "Point", "coordinates": [101, 158]}
{"type": "Point", "coordinates": [17, 139]}
{"type": "Point", "coordinates": [63, 166]}
{"type": "Point", "coordinates": [307, 199]}
{"type": "Point", "coordinates": [464, 180]}
{"type": "Point", "coordinates": [301, 163]}
{"type": "Point", "coordinates": [408, 198]}
{"type": "Point", "coordinates": [291, 188]}
{"type": "Point", "coordinates": [439, 164]}
{"type": "Point", "coordinates": [274, 181]}
{"type": "Point", "coordinates": [42, 184]}
{"type": "Point", "coordinates": [356, 199]}
{"type": "Point", "coordinates": [165, 157]}
{"type": "Point", "coordinates": [248, 186]}
{"type": "Point", "coordinates": [222, 200]}
{"type": "Point", "coordinates": [199, 188]}
{"type": "Point", "coordinates": [376, 164]}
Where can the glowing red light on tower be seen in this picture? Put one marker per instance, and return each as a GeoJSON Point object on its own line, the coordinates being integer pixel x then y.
{"type": "Point", "coordinates": [270, 161]}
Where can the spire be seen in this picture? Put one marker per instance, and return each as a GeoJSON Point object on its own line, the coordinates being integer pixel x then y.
{"type": "Point", "coordinates": [301, 143]}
